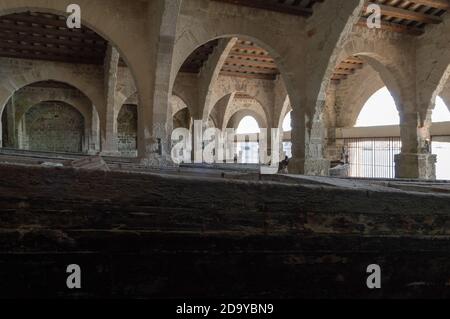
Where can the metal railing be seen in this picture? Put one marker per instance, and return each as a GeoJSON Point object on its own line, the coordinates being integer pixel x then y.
{"type": "Point", "coordinates": [372, 157]}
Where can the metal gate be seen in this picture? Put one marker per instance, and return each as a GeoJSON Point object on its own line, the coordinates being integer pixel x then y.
{"type": "Point", "coordinates": [372, 157]}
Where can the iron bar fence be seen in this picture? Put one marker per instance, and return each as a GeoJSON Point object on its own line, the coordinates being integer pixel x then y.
{"type": "Point", "coordinates": [372, 157]}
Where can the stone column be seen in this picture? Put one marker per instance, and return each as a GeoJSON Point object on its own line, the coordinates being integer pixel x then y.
{"type": "Point", "coordinates": [415, 161]}
{"type": "Point", "coordinates": [110, 145]}
{"type": "Point", "coordinates": [315, 163]}
{"type": "Point", "coordinates": [308, 138]}
{"type": "Point", "coordinates": [11, 123]}
{"type": "Point", "coordinates": [94, 137]}
{"type": "Point", "coordinates": [22, 136]}
{"type": "Point", "coordinates": [298, 140]}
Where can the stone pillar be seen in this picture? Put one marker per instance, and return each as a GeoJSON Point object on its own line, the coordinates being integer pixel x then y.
{"type": "Point", "coordinates": [415, 161]}
{"type": "Point", "coordinates": [94, 136]}
{"type": "Point", "coordinates": [307, 145]}
{"type": "Point", "coordinates": [333, 146]}
{"type": "Point", "coordinates": [315, 163]}
{"type": "Point", "coordinates": [22, 134]}
{"type": "Point", "coordinates": [298, 140]}
{"type": "Point", "coordinates": [110, 145]}
{"type": "Point", "coordinates": [11, 123]}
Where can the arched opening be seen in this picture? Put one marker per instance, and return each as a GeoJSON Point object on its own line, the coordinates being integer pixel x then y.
{"type": "Point", "coordinates": [440, 143]}
{"type": "Point", "coordinates": [380, 147]}
{"type": "Point", "coordinates": [41, 48]}
{"type": "Point", "coordinates": [248, 125]}
{"type": "Point", "coordinates": [287, 128]}
{"type": "Point", "coordinates": [231, 77]}
{"type": "Point", "coordinates": [441, 113]}
{"type": "Point", "coordinates": [364, 149]}
{"type": "Point", "coordinates": [247, 149]}
{"type": "Point", "coordinates": [52, 126]}
{"type": "Point", "coordinates": [379, 110]}
{"type": "Point", "coordinates": [34, 117]}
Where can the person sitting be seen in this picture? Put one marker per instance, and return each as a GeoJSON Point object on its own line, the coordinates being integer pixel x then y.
{"type": "Point", "coordinates": [283, 166]}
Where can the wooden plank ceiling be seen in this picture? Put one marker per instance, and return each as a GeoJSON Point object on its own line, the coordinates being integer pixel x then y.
{"type": "Point", "coordinates": [397, 15]}
{"type": "Point", "coordinates": [295, 7]}
{"type": "Point", "coordinates": [408, 16]}
{"type": "Point", "coordinates": [245, 60]}
{"type": "Point", "coordinates": [43, 36]}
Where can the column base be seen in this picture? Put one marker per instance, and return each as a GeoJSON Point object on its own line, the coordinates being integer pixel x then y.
{"type": "Point", "coordinates": [415, 166]}
{"type": "Point", "coordinates": [312, 167]}
{"type": "Point", "coordinates": [92, 152]}
{"type": "Point", "coordinates": [111, 153]}
{"type": "Point", "coordinates": [156, 161]}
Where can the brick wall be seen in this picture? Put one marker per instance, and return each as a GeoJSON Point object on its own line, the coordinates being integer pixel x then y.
{"type": "Point", "coordinates": [54, 126]}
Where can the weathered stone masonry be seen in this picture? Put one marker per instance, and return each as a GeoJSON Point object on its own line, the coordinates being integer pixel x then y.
{"type": "Point", "coordinates": [145, 58]}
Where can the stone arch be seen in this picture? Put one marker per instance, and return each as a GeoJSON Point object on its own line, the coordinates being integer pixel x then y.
{"type": "Point", "coordinates": [81, 102]}
{"type": "Point", "coordinates": [255, 89]}
{"type": "Point", "coordinates": [374, 55]}
{"type": "Point", "coordinates": [177, 104]}
{"type": "Point", "coordinates": [137, 46]}
{"type": "Point", "coordinates": [287, 107]}
{"type": "Point", "coordinates": [88, 103]}
{"type": "Point", "coordinates": [126, 97]}
{"type": "Point", "coordinates": [97, 19]}
{"type": "Point", "coordinates": [211, 24]}
{"type": "Point", "coordinates": [53, 71]}
{"type": "Point", "coordinates": [240, 105]}
{"type": "Point", "coordinates": [433, 65]}
{"type": "Point", "coordinates": [186, 89]}
{"type": "Point", "coordinates": [348, 94]}
{"type": "Point", "coordinates": [237, 117]}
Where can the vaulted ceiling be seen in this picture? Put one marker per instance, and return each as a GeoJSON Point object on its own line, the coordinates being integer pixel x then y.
{"type": "Point", "coordinates": [246, 60]}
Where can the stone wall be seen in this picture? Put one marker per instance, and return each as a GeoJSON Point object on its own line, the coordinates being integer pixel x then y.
{"type": "Point", "coordinates": [127, 130]}
{"type": "Point", "coordinates": [53, 126]}
{"type": "Point", "coordinates": [148, 235]}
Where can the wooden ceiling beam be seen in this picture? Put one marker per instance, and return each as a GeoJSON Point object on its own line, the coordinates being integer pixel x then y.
{"type": "Point", "coordinates": [46, 57]}
{"type": "Point", "coordinates": [407, 14]}
{"type": "Point", "coordinates": [351, 66]}
{"type": "Point", "coordinates": [438, 4]}
{"type": "Point", "coordinates": [272, 6]}
{"type": "Point", "coordinates": [42, 49]}
{"type": "Point", "coordinates": [45, 32]}
{"type": "Point", "coordinates": [269, 77]}
{"type": "Point", "coordinates": [261, 58]}
{"type": "Point", "coordinates": [232, 61]}
{"type": "Point", "coordinates": [395, 27]}
{"type": "Point", "coordinates": [44, 41]}
{"type": "Point", "coordinates": [249, 69]}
